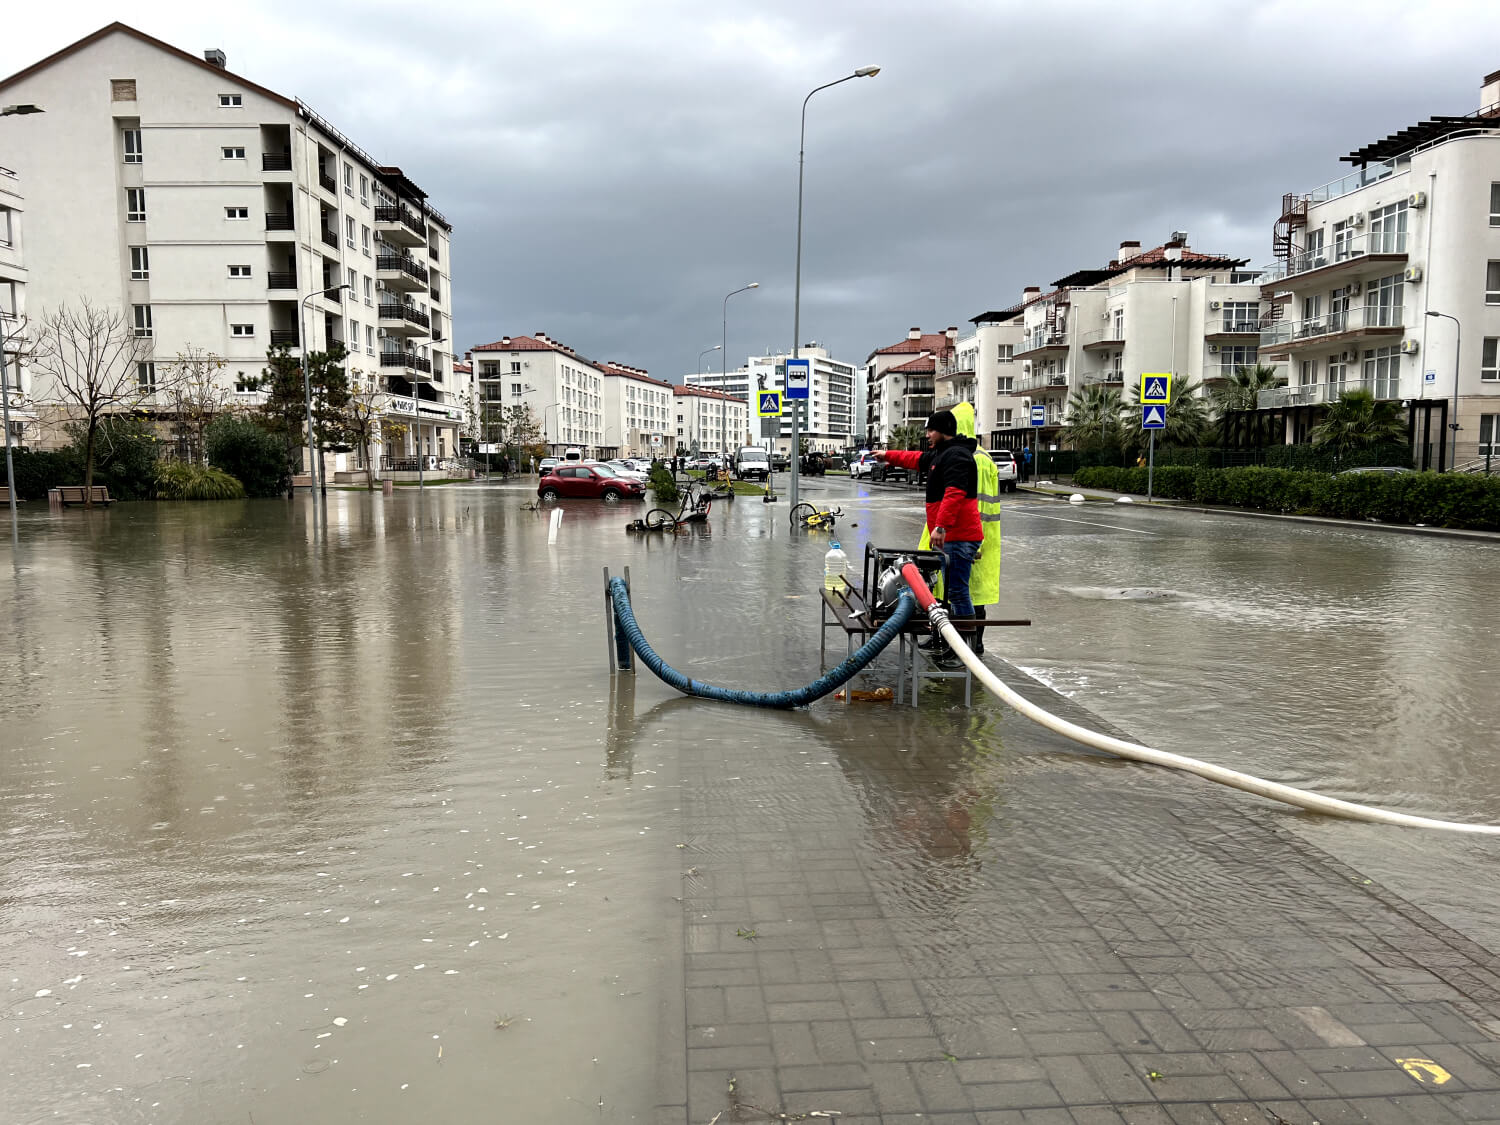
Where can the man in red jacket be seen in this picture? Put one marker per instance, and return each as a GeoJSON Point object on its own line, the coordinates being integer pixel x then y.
{"type": "Point", "coordinates": [952, 503]}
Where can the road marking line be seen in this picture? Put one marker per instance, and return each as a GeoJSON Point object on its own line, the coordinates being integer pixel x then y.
{"type": "Point", "coordinates": [1089, 523]}
{"type": "Point", "coordinates": [1322, 1024]}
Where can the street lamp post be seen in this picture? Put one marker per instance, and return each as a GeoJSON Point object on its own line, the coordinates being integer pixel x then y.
{"type": "Point", "coordinates": [862, 72]}
{"type": "Point", "coordinates": [724, 341]}
{"type": "Point", "coordinates": [10, 472]}
{"type": "Point", "coordinates": [1458, 344]}
{"type": "Point", "coordinates": [312, 458]}
{"type": "Point", "coordinates": [705, 352]}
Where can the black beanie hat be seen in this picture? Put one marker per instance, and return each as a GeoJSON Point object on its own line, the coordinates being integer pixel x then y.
{"type": "Point", "coordinates": [944, 423]}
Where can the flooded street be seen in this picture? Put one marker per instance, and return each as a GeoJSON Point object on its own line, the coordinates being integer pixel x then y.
{"type": "Point", "coordinates": [350, 823]}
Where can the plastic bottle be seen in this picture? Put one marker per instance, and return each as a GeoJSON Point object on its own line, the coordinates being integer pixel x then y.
{"type": "Point", "coordinates": [835, 564]}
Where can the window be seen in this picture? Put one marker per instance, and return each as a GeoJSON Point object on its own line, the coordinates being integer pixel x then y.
{"type": "Point", "coordinates": [1005, 384]}
{"type": "Point", "coordinates": [1383, 302]}
{"type": "Point", "coordinates": [140, 264]}
{"type": "Point", "coordinates": [242, 331]}
{"type": "Point", "coordinates": [122, 89]}
{"type": "Point", "coordinates": [349, 230]}
{"type": "Point", "coordinates": [6, 238]}
{"type": "Point", "coordinates": [348, 178]}
{"type": "Point", "coordinates": [143, 320]}
{"type": "Point", "coordinates": [354, 333]}
{"type": "Point", "coordinates": [145, 376]}
{"type": "Point", "coordinates": [1382, 371]}
{"type": "Point", "coordinates": [239, 271]}
{"type": "Point", "coordinates": [515, 388]}
{"type": "Point", "coordinates": [370, 339]}
{"type": "Point", "coordinates": [132, 141]}
{"type": "Point", "coordinates": [1489, 360]}
{"type": "Point", "coordinates": [1002, 417]}
{"type": "Point", "coordinates": [515, 367]}
{"type": "Point", "coordinates": [1489, 434]}
{"type": "Point", "coordinates": [234, 153]}
{"type": "Point", "coordinates": [1237, 355]}
{"type": "Point", "coordinates": [1005, 353]}
{"type": "Point", "coordinates": [351, 277]}
{"type": "Point", "coordinates": [1308, 373]}
{"type": "Point", "coordinates": [1336, 372]}
{"type": "Point", "coordinates": [135, 205]}
{"type": "Point", "coordinates": [230, 101]}
{"type": "Point", "coordinates": [369, 292]}
{"type": "Point", "coordinates": [1388, 229]}
{"type": "Point", "coordinates": [364, 239]}
{"type": "Point", "coordinates": [1492, 284]}
{"type": "Point", "coordinates": [236, 212]}
{"type": "Point", "coordinates": [1241, 316]}
{"type": "Point", "coordinates": [364, 189]}
{"type": "Point", "coordinates": [1495, 205]}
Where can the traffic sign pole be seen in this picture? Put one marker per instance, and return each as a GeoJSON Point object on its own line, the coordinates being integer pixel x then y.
{"type": "Point", "coordinates": [1150, 464]}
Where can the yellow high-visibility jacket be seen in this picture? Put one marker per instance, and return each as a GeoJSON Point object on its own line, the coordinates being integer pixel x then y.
{"type": "Point", "coordinates": [984, 579]}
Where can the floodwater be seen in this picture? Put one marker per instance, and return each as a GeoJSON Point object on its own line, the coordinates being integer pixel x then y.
{"type": "Point", "coordinates": [349, 823]}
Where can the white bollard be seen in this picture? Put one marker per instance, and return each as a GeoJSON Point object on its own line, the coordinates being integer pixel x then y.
{"type": "Point", "coordinates": [1124, 500]}
{"type": "Point", "coordinates": [556, 523]}
{"type": "Point", "coordinates": [1076, 498]}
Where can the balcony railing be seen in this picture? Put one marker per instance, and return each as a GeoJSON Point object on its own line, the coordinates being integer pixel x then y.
{"type": "Point", "coordinates": [281, 280]}
{"type": "Point", "coordinates": [917, 387]}
{"type": "Point", "coordinates": [1349, 250]}
{"type": "Point", "coordinates": [330, 185]}
{"type": "Point", "coordinates": [275, 162]}
{"type": "Point", "coordinates": [406, 359]}
{"type": "Point", "coordinates": [330, 238]}
{"type": "Point", "coordinates": [950, 401]}
{"type": "Point", "coordinates": [437, 291]}
{"type": "Point", "coordinates": [963, 365]}
{"type": "Point", "coordinates": [403, 262]}
{"type": "Point", "coordinates": [1103, 336]}
{"type": "Point", "coordinates": [1105, 378]}
{"type": "Point", "coordinates": [1313, 394]}
{"type": "Point", "coordinates": [1231, 324]}
{"type": "Point", "coordinates": [1361, 318]}
{"type": "Point", "coordinates": [395, 213]}
{"type": "Point", "coordinates": [1038, 380]}
{"type": "Point", "coordinates": [284, 337]}
{"type": "Point", "coordinates": [1038, 340]}
{"type": "Point", "coordinates": [391, 310]}
{"type": "Point", "coordinates": [280, 222]}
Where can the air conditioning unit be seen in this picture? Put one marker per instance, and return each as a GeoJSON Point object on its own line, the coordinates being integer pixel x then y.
{"type": "Point", "coordinates": [1346, 357]}
{"type": "Point", "coordinates": [1215, 306]}
{"type": "Point", "coordinates": [1409, 347]}
{"type": "Point", "coordinates": [1417, 200]}
{"type": "Point", "coordinates": [1412, 274]}
{"type": "Point", "coordinates": [1354, 289]}
{"type": "Point", "coordinates": [1355, 220]}
{"type": "Point", "coordinates": [1213, 349]}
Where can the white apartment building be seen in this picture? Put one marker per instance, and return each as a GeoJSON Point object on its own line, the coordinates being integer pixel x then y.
{"type": "Point", "coordinates": [213, 212]}
{"type": "Point", "coordinates": [1364, 263]}
{"type": "Point", "coordinates": [827, 415]}
{"type": "Point", "coordinates": [13, 325]}
{"type": "Point", "coordinates": [900, 381]}
{"type": "Point", "coordinates": [638, 413]}
{"type": "Point", "coordinates": [564, 390]}
{"type": "Point", "coordinates": [982, 371]}
{"type": "Point", "coordinates": [1169, 309]}
{"type": "Point", "coordinates": [709, 421]}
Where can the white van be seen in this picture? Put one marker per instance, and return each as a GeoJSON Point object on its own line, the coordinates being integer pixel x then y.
{"type": "Point", "coordinates": [574, 454]}
{"type": "Point", "coordinates": [752, 463]}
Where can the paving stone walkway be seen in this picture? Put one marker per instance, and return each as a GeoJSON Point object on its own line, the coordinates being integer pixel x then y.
{"type": "Point", "coordinates": [975, 923]}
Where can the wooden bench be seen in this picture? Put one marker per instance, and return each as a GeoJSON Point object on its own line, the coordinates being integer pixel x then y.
{"type": "Point", "coordinates": [5, 495]}
{"type": "Point", "coordinates": [70, 494]}
{"type": "Point", "coordinates": [849, 611]}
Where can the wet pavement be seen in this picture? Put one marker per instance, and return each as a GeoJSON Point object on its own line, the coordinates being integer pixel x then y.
{"type": "Point", "coordinates": [352, 824]}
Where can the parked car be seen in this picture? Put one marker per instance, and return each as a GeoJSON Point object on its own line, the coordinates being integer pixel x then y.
{"type": "Point", "coordinates": [1010, 469]}
{"type": "Point", "coordinates": [578, 481]}
{"type": "Point", "coordinates": [627, 469]}
{"type": "Point", "coordinates": [1388, 470]}
{"type": "Point", "coordinates": [813, 465]}
{"type": "Point", "coordinates": [547, 464]}
{"type": "Point", "coordinates": [781, 462]}
{"type": "Point", "coordinates": [863, 465]}
{"type": "Point", "coordinates": [705, 461]}
{"type": "Point", "coordinates": [885, 471]}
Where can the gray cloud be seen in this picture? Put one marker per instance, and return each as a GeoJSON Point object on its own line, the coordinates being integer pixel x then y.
{"type": "Point", "coordinates": [612, 170]}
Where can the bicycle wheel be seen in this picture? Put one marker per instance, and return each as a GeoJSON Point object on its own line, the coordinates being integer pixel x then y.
{"type": "Point", "coordinates": [659, 519]}
{"type": "Point", "coordinates": [802, 513]}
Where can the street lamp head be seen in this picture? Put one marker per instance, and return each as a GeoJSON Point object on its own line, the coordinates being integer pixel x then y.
{"type": "Point", "coordinates": [336, 288]}
{"type": "Point", "coordinates": [867, 72]}
{"type": "Point", "coordinates": [13, 110]}
{"type": "Point", "coordinates": [753, 285]}
{"type": "Point", "coordinates": [1431, 313]}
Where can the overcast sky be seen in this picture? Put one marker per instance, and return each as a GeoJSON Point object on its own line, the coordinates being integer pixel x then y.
{"type": "Point", "coordinates": [613, 169]}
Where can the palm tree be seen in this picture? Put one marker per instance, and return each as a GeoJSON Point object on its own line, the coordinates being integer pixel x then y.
{"type": "Point", "coordinates": [1357, 421]}
{"type": "Point", "coordinates": [906, 437]}
{"type": "Point", "coordinates": [1188, 418]}
{"type": "Point", "coordinates": [1094, 418]}
{"type": "Point", "coordinates": [1237, 400]}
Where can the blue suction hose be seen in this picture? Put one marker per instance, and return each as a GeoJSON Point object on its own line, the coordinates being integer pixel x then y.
{"type": "Point", "coordinates": [627, 630]}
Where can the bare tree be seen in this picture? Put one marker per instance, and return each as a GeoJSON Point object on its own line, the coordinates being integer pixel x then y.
{"type": "Point", "coordinates": [192, 389]}
{"type": "Point", "coordinates": [364, 417]}
{"type": "Point", "coordinates": [89, 357]}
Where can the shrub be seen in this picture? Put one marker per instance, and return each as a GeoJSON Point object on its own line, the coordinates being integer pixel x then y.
{"type": "Point", "coordinates": [180, 480]}
{"type": "Point", "coordinates": [38, 470]}
{"type": "Point", "coordinates": [662, 485]}
{"type": "Point", "coordinates": [245, 451]}
{"type": "Point", "coordinates": [1324, 459]}
{"type": "Point", "coordinates": [1436, 499]}
{"type": "Point", "coordinates": [125, 453]}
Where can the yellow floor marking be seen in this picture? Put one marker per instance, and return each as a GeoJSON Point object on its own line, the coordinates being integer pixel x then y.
{"type": "Point", "coordinates": [1425, 1071]}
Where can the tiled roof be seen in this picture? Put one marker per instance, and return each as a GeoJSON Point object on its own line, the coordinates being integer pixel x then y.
{"type": "Point", "coordinates": [703, 392]}
{"type": "Point", "coordinates": [923, 364]}
{"type": "Point", "coordinates": [524, 344]}
{"type": "Point", "coordinates": [1155, 258]}
{"type": "Point", "coordinates": [463, 368]}
{"type": "Point", "coordinates": [636, 373]}
{"type": "Point", "coordinates": [928, 342]}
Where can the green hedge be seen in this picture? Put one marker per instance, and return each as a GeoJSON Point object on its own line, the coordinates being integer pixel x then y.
{"type": "Point", "coordinates": [1325, 461]}
{"type": "Point", "coordinates": [1434, 499]}
{"type": "Point", "coordinates": [38, 470]}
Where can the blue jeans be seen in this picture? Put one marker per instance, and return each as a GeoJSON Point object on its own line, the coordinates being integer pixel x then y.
{"type": "Point", "coordinates": [961, 558]}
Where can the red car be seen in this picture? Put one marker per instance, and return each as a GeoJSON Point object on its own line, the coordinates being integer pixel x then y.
{"type": "Point", "coordinates": [572, 480]}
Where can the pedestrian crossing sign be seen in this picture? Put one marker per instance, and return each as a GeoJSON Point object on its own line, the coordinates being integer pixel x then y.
{"type": "Point", "coordinates": [1156, 389]}
{"type": "Point", "coordinates": [768, 403]}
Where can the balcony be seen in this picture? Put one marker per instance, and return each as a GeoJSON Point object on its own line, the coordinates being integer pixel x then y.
{"type": "Point", "coordinates": [327, 182]}
{"type": "Point", "coordinates": [1041, 380]}
{"type": "Point", "coordinates": [963, 365]}
{"type": "Point", "coordinates": [915, 386]}
{"type": "Point", "coordinates": [401, 271]}
{"type": "Point", "coordinates": [1104, 378]}
{"type": "Point", "coordinates": [1332, 328]}
{"type": "Point", "coordinates": [1364, 253]}
{"type": "Point", "coordinates": [281, 337]}
{"type": "Point", "coordinates": [1226, 323]}
{"type": "Point", "coordinates": [398, 318]}
{"type": "Point", "coordinates": [950, 401]}
{"type": "Point", "coordinates": [330, 239]}
{"type": "Point", "coordinates": [400, 225]}
{"type": "Point", "coordinates": [280, 222]}
{"type": "Point", "coordinates": [275, 162]}
{"type": "Point", "coordinates": [1103, 338]}
{"type": "Point", "coordinates": [281, 280]}
{"type": "Point", "coordinates": [437, 291]}
{"type": "Point", "coordinates": [1040, 343]}
{"type": "Point", "coordinates": [1316, 394]}
{"type": "Point", "coordinates": [409, 365]}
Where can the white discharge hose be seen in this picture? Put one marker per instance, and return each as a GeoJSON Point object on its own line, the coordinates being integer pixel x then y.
{"type": "Point", "coordinates": [1315, 802]}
